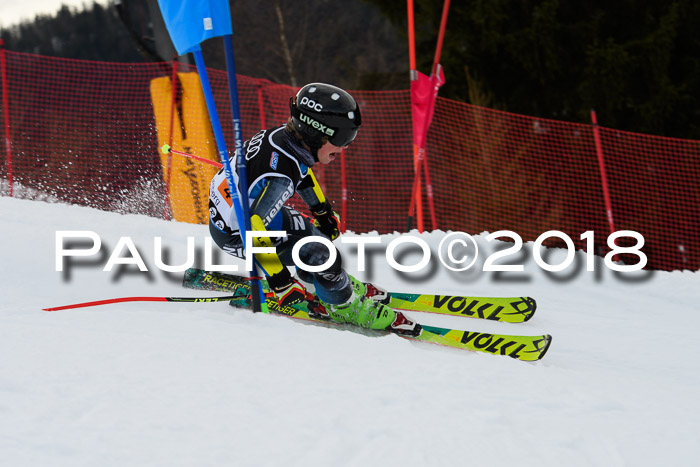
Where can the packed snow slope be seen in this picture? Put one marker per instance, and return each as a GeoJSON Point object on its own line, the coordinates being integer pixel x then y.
{"type": "Point", "coordinates": [204, 384]}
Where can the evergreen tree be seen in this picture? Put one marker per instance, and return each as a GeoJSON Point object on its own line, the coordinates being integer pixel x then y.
{"type": "Point", "coordinates": [635, 62]}
{"type": "Point", "coordinates": [91, 33]}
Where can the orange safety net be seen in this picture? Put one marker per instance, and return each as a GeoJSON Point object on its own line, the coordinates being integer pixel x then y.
{"type": "Point", "coordinates": [83, 132]}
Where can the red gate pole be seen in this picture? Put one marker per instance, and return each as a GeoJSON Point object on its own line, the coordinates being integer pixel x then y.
{"type": "Point", "coordinates": [173, 97]}
{"type": "Point", "coordinates": [420, 157]}
{"type": "Point", "coordinates": [416, 192]}
{"type": "Point", "coordinates": [603, 174]}
{"type": "Point", "coordinates": [433, 78]}
{"type": "Point", "coordinates": [6, 112]}
{"type": "Point", "coordinates": [344, 193]}
{"type": "Point", "coordinates": [429, 192]}
{"type": "Point", "coordinates": [261, 106]}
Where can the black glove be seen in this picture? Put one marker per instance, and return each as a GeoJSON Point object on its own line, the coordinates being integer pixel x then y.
{"type": "Point", "coordinates": [326, 220]}
{"type": "Point", "coordinates": [286, 289]}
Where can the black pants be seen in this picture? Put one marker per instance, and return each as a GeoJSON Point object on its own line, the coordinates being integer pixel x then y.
{"type": "Point", "coordinates": [332, 285]}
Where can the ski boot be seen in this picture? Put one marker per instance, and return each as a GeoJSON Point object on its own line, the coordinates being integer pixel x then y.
{"type": "Point", "coordinates": [377, 294]}
{"type": "Point", "coordinates": [404, 326]}
{"type": "Point", "coordinates": [362, 310]}
{"type": "Point", "coordinates": [317, 309]}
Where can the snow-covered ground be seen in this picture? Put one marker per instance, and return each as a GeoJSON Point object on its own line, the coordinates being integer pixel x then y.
{"type": "Point", "coordinates": [170, 384]}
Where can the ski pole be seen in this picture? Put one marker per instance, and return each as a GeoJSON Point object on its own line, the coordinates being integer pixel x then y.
{"type": "Point", "coordinates": [143, 299]}
{"type": "Point", "coordinates": [166, 149]}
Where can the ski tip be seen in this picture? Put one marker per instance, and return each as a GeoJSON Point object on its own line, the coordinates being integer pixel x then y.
{"type": "Point", "coordinates": [547, 342]}
{"type": "Point", "coordinates": [531, 307]}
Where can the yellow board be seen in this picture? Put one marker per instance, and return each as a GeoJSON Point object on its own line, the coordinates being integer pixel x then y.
{"type": "Point", "coordinates": [187, 179]}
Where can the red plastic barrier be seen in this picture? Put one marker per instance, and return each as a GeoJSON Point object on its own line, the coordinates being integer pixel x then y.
{"type": "Point", "coordinates": [83, 132]}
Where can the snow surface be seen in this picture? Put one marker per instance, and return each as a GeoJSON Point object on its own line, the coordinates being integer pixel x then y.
{"type": "Point", "coordinates": [187, 384]}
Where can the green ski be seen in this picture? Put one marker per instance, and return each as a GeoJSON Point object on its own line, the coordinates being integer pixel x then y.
{"type": "Point", "coordinates": [525, 348]}
{"type": "Point", "coordinates": [504, 309]}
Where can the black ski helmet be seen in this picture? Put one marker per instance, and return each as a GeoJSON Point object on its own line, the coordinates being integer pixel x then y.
{"type": "Point", "coordinates": [320, 110]}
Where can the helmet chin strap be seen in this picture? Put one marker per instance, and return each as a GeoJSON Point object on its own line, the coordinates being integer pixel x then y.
{"type": "Point", "coordinates": [313, 148]}
{"type": "Point", "coordinates": [313, 144]}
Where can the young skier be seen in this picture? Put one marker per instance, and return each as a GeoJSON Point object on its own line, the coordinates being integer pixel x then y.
{"type": "Point", "coordinates": [324, 120]}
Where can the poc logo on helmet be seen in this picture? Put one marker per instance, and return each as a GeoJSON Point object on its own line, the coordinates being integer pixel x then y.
{"type": "Point", "coordinates": [311, 104]}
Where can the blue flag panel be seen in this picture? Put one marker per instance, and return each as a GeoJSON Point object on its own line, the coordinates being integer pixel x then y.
{"type": "Point", "coordinates": [191, 22]}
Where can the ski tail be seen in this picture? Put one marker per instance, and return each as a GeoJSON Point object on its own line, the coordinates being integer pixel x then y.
{"type": "Point", "coordinates": [200, 279]}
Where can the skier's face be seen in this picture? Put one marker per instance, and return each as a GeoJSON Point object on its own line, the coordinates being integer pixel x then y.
{"type": "Point", "coordinates": [328, 152]}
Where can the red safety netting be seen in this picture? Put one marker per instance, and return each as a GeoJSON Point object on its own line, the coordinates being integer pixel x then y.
{"type": "Point", "coordinates": [84, 133]}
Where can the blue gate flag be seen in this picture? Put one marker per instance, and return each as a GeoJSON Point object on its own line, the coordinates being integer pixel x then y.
{"type": "Point", "coordinates": [191, 22]}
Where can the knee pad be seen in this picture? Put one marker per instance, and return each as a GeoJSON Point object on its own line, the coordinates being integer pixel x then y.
{"type": "Point", "coordinates": [316, 254]}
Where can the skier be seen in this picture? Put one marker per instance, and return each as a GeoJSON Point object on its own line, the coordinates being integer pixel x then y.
{"type": "Point", "coordinates": [324, 120]}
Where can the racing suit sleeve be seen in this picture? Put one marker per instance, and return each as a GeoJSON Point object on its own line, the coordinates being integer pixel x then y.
{"type": "Point", "coordinates": [310, 191]}
{"type": "Point", "coordinates": [326, 219]}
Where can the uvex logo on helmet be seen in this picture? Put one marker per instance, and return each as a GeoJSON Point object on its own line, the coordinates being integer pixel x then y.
{"type": "Point", "coordinates": [316, 125]}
